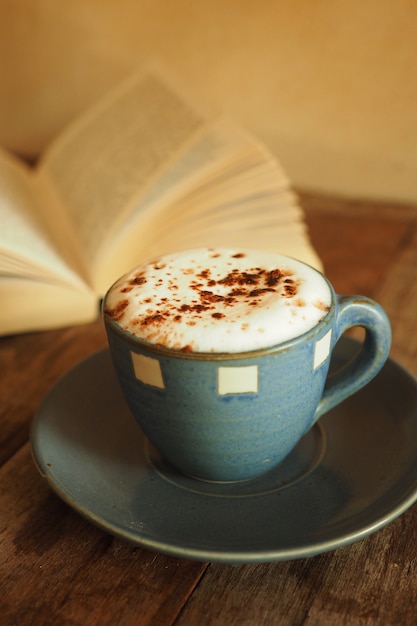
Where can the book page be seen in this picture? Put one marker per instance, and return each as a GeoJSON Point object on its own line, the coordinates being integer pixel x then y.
{"type": "Point", "coordinates": [116, 150]}
{"type": "Point", "coordinates": [34, 305]}
{"type": "Point", "coordinates": [215, 152]}
{"type": "Point", "coordinates": [26, 245]}
{"type": "Point", "coordinates": [243, 199]}
{"type": "Point", "coordinates": [211, 161]}
{"type": "Point", "coordinates": [269, 219]}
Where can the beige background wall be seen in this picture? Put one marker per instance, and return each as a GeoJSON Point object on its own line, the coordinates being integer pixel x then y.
{"type": "Point", "coordinates": [329, 85]}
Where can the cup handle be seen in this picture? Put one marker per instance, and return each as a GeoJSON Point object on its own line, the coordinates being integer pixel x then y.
{"type": "Point", "coordinates": [357, 311]}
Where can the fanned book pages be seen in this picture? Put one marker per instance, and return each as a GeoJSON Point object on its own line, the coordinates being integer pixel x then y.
{"type": "Point", "coordinates": [147, 170]}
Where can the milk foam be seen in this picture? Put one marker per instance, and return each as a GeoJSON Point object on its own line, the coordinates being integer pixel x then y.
{"type": "Point", "coordinates": [219, 300]}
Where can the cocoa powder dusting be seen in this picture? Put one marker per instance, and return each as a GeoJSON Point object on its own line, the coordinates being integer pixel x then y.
{"type": "Point", "coordinates": [260, 292]}
{"type": "Point", "coordinates": [290, 290]}
{"type": "Point", "coordinates": [155, 318]}
{"type": "Point", "coordinates": [240, 292]}
{"type": "Point", "coordinates": [139, 279]}
{"type": "Point", "coordinates": [246, 286]}
{"type": "Point", "coordinates": [299, 302]}
{"type": "Point", "coordinates": [321, 305]}
{"type": "Point", "coordinates": [274, 278]}
{"type": "Point", "coordinates": [211, 293]}
{"type": "Point", "coordinates": [116, 313]}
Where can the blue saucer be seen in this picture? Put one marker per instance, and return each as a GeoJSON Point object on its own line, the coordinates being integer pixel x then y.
{"type": "Point", "coordinates": [352, 474]}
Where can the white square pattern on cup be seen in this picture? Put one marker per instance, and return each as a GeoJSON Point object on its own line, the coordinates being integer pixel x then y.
{"type": "Point", "coordinates": [148, 370]}
{"type": "Point", "coordinates": [322, 349]}
{"type": "Point", "coordinates": [230, 379]}
{"type": "Point", "coordinates": [238, 379]}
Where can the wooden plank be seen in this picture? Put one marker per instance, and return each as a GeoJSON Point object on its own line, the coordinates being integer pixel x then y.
{"type": "Point", "coordinates": [30, 364]}
{"type": "Point", "coordinates": [357, 251]}
{"type": "Point", "coordinates": [398, 294]}
{"type": "Point", "coordinates": [356, 207]}
{"type": "Point", "coordinates": [370, 582]}
{"type": "Point", "coordinates": [57, 568]}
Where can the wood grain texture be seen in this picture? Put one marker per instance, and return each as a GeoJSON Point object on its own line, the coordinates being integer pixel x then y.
{"type": "Point", "coordinates": [29, 365]}
{"type": "Point", "coordinates": [398, 294]}
{"type": "Point", "coordinates": [359, 245]}
{"type": "Point", "coordinates": [57, 568]}
{"type": "Point", "coordinates": [371, 582]}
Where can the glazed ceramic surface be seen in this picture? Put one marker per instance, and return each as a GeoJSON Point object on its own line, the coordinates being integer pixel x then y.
{"type": "Point", "coordinates": [353, 472]}
{"type": "Point", "coordinates": [230, 417]}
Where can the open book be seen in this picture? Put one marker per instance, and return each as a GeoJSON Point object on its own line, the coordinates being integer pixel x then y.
{"type": "Point", "coordinates": [147, 170]}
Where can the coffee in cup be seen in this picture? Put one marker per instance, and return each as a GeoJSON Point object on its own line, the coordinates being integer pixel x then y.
{"type": "Point", "coordinates": [223, 355]}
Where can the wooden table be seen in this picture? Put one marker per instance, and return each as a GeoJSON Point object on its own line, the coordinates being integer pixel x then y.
{"type": "Point", "coordinates": [58, 569]}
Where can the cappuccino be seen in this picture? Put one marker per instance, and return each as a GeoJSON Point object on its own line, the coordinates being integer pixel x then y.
{"type": "Point", "coordinates": [219, 300]}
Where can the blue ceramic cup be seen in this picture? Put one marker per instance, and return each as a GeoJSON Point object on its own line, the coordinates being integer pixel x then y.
{"type": "Point", "coordinates": [234, 416]}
